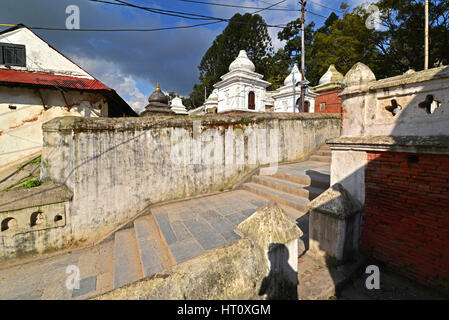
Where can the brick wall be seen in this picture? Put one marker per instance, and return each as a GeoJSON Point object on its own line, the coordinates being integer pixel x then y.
{"type": "Point", "coordinates": [331, 100]}
{"type": "Point", "coordinates": [407, 214]}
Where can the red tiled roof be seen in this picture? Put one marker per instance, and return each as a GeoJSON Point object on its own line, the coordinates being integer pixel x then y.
{"type": "Point", "coordinates": [52, 80]}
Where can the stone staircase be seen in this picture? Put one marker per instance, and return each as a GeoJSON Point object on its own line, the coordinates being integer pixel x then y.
{"type": "Point", "coordinates": [177, 232]}
{"type": "Point", "coordinates": [294, 185]}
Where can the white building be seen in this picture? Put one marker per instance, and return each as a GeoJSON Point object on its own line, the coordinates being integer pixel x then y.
{"type": "Point", "coordinates": [284, 96]}
{"type": "Point", "coordinates": [241, 89]}
{"type": "Point", "coordinates": [177, 107]}
{"type": "Point", "coordinates": [38, 83]}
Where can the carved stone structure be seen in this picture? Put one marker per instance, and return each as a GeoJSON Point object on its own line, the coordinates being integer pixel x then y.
{"type": "Point", "coordinates": [177, 106]}
{"type": "Point", "coordinates": [283, 98]}
{"type": "Point", "coordinates": [158, 104]}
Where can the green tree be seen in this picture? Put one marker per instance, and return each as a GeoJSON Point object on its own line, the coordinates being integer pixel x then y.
{"type": "Point", "coordinates": [243, 32]}
{"type": "Point", "coordinates": [402, 41]}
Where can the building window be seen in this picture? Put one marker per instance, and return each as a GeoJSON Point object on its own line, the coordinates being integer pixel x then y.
{"type": "Point", "coordinates": [322, 106]}
{"type": "Point", "coordinates": [12, 54]}
{"type": "Point", "coordinates": [251, 101]}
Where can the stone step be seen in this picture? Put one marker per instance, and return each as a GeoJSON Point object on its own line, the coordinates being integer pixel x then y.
{"type": "Point", "coordinates": [295, 189]}
{"type": "Point", "coordinates": [325, 147]}
{"type": "Point", "coordinates": [127, 267]}
{"type": "Point", "coordinates": [312, 179]}
{"type": "Point", "coordinates": [154, 252]}
{"type": "Point", "coordinates": [325, 159]}
{"type": "Point", "coordinates": [326, 153]}
{"type": "Point", "coordinates": [278, 196]}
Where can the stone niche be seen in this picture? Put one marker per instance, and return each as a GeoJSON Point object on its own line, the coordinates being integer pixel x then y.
{"type": "Point", "coordinates": [34, 220]}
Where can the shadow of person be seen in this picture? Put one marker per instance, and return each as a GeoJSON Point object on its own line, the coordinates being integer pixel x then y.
{"type": "Point", "coordinates": [282, 281]}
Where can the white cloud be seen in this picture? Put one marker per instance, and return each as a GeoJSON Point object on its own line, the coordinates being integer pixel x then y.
{"type": "Point", "coordinates": [111, 75]}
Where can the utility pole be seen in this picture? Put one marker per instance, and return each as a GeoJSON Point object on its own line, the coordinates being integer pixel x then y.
{"type": "Point", "coordinates": [205, 95]}
{"type": "Point", "coordinates": [426, 36]}
{"type": "Point", "coordinates": [303, 54]}
{"type": "Point", "coordinates": [294, 90]}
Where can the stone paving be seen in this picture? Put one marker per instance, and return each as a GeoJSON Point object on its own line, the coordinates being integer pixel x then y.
{"type": "Point", "coordinates": [195, 226]}
{"type": "Point", "coordinates": [46, 278]}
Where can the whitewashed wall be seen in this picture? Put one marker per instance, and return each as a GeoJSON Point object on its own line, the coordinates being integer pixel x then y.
{"type": "Point", "coordinates": [20, 128]}
{"type": "Point", "coordinates": [40, 57]}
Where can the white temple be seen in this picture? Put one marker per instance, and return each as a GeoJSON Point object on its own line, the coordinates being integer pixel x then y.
{"type": "Point", "coordinates": [211, 104]}
{"type": "Point", "coordinates": [241, 89]}
{"type": "Point", "coordinates": [284, 96]}
{"type": "Point", "coordinates": [177, 107]}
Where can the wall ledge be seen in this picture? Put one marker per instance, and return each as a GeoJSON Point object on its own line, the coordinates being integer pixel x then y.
{"type": "Point", "coordinates": [79, 124]}
{"type": "Point", "coordinates": [45, 194]}
{"type": "Point", "coordinates": [413, 144]}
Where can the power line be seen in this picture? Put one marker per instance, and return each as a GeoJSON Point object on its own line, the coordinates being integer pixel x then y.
{"type": "Point", "coordinates": [271, 6]}
{"type": "Point", "coordinates": [238, 6]}
{"type": "Point", "coordinates": [326, 7]}
{"type": "Point", "coordinates": [316, 14]}
{"type": "Point", "coordinates": [132, 29]}
{"type": "Point", "coordinates": [179, 13]}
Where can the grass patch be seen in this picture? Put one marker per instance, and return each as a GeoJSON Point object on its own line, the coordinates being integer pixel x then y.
{"type": "Point", "coordinates": [31, 184]}
{"type": "Point", "coordinates": [36, 160]}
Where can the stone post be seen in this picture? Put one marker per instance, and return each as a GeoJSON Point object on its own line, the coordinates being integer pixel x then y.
{"type": "Point", "coordinates": [333, 224]}
{"type": "Point", "coordinates": [277, 236]}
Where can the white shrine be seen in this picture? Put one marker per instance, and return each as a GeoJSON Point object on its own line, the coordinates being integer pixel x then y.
{"type": "Point", "coordinates": [241, 89]}
{"type": "Point", "coordinates": [177, 107]}
{"type": "Point", "coordinates": [284, 96]}
{"type": "Point", "coordinates": [211, 104]}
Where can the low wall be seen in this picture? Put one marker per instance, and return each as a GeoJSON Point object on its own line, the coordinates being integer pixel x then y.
{"type": "Point", "coordinates": [117, 167]}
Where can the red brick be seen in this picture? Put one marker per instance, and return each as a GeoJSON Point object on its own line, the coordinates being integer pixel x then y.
{"type": "Point", "coordinates": [407, 214]}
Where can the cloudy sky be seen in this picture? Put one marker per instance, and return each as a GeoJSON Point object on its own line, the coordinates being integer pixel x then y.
{"type": "Point", "coordinates": [133, 62]}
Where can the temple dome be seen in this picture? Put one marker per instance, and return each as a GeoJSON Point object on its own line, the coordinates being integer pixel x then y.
{"type": "Point", "coordinates": [359, 74]}
{"type": "Point", "coordinates": [213, 96]}
{"type": "Point", "coordinates": [158, 97]}
{"type": "Point", "coordinates": [288, 81]}
{"type": "Point", "coordinates": [331, 76]}
{"type": "Point", "coordinates": [242, 62]}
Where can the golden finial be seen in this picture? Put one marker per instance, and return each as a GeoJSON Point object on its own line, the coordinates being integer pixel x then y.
{"type": "Point", "coordinates": [177, 95]}
{"type": "Point", "coordinates": [157, 88]}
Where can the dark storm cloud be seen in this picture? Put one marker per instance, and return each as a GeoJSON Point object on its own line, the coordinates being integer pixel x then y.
{"type": "Point", "coordinates": [170, 57]}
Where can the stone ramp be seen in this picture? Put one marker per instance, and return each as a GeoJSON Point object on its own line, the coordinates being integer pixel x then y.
{"type": "Point", "coordinates": [175, 233]}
